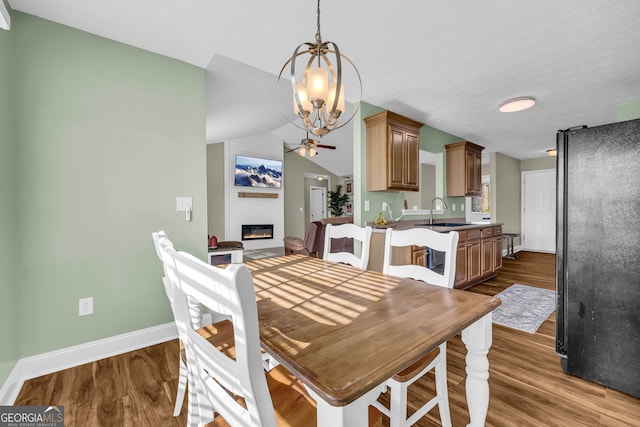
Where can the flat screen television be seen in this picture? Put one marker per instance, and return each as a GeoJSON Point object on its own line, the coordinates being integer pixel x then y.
{"type": "Point", "coordinates": [258, 172]}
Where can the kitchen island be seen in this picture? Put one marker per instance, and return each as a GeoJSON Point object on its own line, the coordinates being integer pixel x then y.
{"type": "Point", "coordinates": [478, 257]}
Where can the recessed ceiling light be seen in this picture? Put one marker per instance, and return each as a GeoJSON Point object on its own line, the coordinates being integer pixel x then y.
{"type": "Point", "coordinates": [517, 104]}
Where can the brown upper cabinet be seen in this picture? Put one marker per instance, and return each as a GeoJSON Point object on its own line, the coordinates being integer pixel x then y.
{"type": "Point", "coordinates": [393, 144]}
{"type": "Point", "coordinates": [464, 169]}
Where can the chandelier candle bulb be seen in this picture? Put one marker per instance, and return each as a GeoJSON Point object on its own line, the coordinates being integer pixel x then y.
{"type": "Point", "coordinates": [317, 85]}
{"type": "Point", "coordinates": [304, 100]}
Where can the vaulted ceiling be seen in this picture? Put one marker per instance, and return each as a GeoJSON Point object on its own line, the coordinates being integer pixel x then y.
{"type": "Point", "coordinates": [446, 64]}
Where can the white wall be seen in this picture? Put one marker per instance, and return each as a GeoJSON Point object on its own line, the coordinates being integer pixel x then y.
{"type": "Point", "coordinates": [251, 210]}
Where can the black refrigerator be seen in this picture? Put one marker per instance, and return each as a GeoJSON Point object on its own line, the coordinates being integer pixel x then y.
{"type": "Point", "coordinates": [598, 254]}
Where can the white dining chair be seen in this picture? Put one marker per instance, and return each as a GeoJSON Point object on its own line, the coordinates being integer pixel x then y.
{"type": "Point", "coordinates": [437, 360]}
{"type": "Point", "coordinates": [164, 246]}
{"type": "Point", "coordinates": [202, 321]}
{"type": "Point", "coordinates": [228, 377]}
{"type": "Point", "coordinates": [362, 234]}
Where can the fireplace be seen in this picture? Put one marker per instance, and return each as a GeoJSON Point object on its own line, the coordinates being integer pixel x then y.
{"type": "Point", "coordinates": [257, 231]}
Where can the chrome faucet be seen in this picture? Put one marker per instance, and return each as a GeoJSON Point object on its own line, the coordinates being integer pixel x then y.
{"type": "Point", "coordinates": [431, 211]}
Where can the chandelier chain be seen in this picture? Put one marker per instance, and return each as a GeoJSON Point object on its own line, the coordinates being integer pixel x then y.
{"type": "Point", "coordinates": [318, 36]}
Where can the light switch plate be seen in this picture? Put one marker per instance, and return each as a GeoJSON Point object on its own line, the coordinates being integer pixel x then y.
{"type": "Point", "coordinates": [366, 206]}
{"type": "Point", "coordinates": [184, 203]}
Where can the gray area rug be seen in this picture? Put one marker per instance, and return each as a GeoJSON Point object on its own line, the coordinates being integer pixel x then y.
{"type": "Point", "coordinates": [524, 307]}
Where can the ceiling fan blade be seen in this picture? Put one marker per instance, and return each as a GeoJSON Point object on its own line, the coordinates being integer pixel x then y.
{"type": "Point", "coordinates": [292, 149]}
{"type": "Point", "coordinates": [330, 147]}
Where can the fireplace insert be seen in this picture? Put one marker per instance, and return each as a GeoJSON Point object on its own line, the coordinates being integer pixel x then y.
{"type": "Point", "coordinates": [257, 231]}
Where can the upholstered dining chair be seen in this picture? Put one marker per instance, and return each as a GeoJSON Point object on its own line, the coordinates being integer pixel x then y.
{"type": "Point", "coordinates": [362, 234]}
{"type": "Point", "coordinates": [229, 379]}
{"type": "Point", "coordinates": [398, 385]}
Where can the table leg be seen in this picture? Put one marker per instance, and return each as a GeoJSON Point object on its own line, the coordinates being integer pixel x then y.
{"type": "Point", "coordinates": [477, 339]}
{"type": "Point", "coordinates": [355, 414]}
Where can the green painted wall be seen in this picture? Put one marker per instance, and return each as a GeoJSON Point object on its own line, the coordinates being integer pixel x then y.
{"type": "Point", "coordinates": [628, 110]}
{"type": "Point", "coordinates": [8, 313]}
{"type": "Point", "coordinates": [505, 192]}
{"type": "Point", "coordinates": [431, 139]}
{"type": "Point", "coordinates": [107, 136]}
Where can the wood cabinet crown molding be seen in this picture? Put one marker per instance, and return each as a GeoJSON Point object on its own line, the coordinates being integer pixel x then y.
{"type": "Point", "coordinates": [393, 144]}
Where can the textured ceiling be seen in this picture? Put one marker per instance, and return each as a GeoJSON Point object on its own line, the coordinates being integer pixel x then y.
{"type": "Point", "coordinates": [446, 64]}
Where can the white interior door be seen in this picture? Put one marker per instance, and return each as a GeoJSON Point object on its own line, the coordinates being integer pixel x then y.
{"type": "Point", "coordinates": [539, 210]}
{"type": "Point", "coordinates": [317, 203]}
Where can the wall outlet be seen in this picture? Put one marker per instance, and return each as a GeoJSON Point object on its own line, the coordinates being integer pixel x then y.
{"type": "Point", "coordinates": [85, 306]}
{"type": "Point", "coordinates": [384, 206]}
{"type": "Point", "coordinates": [462, 207]}
{"type": "Point", "coordinates": [366, 206]}
{"type": "Point", "coordinates": [453, 207]}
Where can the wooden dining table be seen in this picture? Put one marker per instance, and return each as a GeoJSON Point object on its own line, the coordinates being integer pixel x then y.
{"type": "Point", "coordinates": [344, 331]}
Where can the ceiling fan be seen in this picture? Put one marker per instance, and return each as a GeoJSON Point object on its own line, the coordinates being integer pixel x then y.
{"type": "Point", "coordinates": [308, 147]}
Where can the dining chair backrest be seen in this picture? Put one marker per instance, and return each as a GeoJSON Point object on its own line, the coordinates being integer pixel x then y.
{"type": "Point", "coordinates": [362, 234]}
{"type": "Point", "coordinates": [230, 292]}
{"type": "Point", "coordinates": [442, 242]}
{"type": "Point", "coordinates": [164, 246]}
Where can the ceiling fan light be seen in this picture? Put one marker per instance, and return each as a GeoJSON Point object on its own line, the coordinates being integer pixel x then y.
{"type": "Point", "coordinates": [517, 104]}
{"type": "Point", "coordinates": [312, 152]}
{"type": "Point", "coordinates": [552, 152]}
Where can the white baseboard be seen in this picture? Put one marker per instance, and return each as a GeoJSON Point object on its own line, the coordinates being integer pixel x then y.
{"type": "Point", "coordinates": [53, 361]}
{"type": "Point", "coordinates": [11, 387]}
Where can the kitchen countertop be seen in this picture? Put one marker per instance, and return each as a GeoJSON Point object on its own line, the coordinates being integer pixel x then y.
{"type": "Point", "coordinates": [423, 223]}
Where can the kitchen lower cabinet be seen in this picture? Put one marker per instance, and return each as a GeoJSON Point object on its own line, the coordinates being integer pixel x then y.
{"type": "Point", "coordinates": [468, 259]}
{"type": "Point", "coordinates": [478, 256]}
{"type": "Point", "coordinates": [487, 256]}
{"type": "Point", "coordinates": [419, 255]}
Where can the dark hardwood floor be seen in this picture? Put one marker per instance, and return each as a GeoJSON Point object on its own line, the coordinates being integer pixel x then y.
{"type": "Point", "coordinates": [527, 384]}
